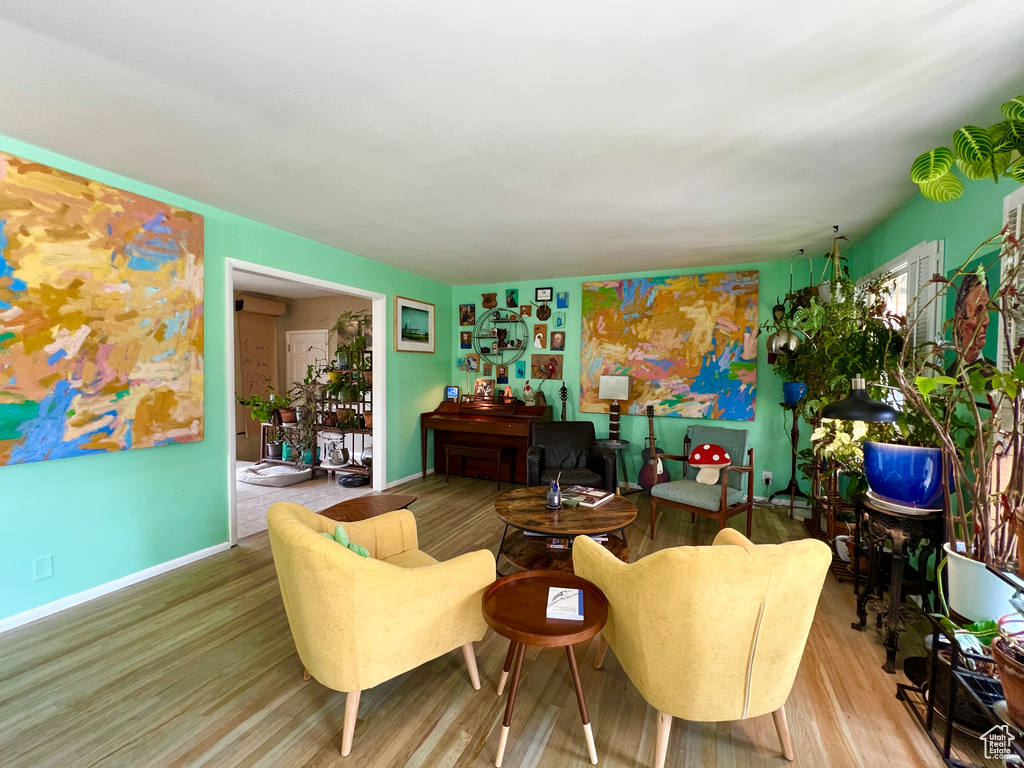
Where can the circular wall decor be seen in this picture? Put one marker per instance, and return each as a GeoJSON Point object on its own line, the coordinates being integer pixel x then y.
{"type": "Point", "coordinates": [499, 339]}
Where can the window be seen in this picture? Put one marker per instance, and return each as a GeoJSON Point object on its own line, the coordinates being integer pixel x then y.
{"type": "Point", "coordinates": [1013, 218]}
{"type": "Point", "coordinates": [909, 274]}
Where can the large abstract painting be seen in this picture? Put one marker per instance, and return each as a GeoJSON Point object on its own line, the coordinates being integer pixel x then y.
{"type": "Point", "coordinates": [688, 343]}
{"type": "Point", "coordinates": [101, 317]}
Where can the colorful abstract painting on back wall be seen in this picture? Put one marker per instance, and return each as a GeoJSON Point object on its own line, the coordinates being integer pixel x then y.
{"type": "Point", "coordinates": [688, 343]}
{"type": "Point", "coordinates": [101, 317]}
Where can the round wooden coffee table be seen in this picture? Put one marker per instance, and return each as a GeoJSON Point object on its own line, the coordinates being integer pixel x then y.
{"type": "Point", "coordinates": [525, 510]}
{"type": "Point", "coordinates": [516, 607]}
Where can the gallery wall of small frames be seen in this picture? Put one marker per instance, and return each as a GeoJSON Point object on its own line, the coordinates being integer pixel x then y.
{"type": "Point", "coordinates": [535, 359]}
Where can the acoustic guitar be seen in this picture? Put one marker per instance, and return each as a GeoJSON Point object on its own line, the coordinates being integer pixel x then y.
{"type": "Point", "coordinates": [653, 470]}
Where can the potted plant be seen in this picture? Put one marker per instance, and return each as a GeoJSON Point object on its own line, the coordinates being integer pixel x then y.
{"type": "Point", "coordinates": [1008, 653]}
{"type": "Point", "coordinates": [304, 434]}
{"type": "Point", "coordinates": [840, 272]}
{"type": "Point", "coordinates": [973, 406]}
{"type": "Point", "coordinates": [262, 410]}
{"type": "Point", "coordinates": [979, 153]}
{"type": "Point", "coordinates": [840, 340]}
{"type": "Point", "coordinates": [352, 329]}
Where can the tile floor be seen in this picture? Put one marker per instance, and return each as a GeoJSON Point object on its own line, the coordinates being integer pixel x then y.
{"type": "Point", "coordinates": [254, 500]}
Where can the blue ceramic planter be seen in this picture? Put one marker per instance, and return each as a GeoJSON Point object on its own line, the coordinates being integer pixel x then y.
{"type": "Point", "coordinates": [793, 392]}
{"type": "Point", "coordinates": [904, 474]}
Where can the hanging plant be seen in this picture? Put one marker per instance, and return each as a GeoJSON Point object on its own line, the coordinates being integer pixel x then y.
{"type": "Point", "coordinates": [978, 153]}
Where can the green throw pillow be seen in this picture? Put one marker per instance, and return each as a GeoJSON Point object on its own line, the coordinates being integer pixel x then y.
{"type": "Point", "coordinates": [341, 536]}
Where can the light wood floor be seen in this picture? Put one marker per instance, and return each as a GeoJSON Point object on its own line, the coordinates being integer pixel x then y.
{"type": "Point", "coordinates": [197, 668]}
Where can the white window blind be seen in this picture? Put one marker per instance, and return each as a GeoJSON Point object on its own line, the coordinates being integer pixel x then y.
{"type": "Point", "coordinates": [1013, 218]}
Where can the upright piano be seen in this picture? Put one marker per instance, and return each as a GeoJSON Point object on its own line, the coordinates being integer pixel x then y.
{"type": "Point", "coordinates": [493, 422]}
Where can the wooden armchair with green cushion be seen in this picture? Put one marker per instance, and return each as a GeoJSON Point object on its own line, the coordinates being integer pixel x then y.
{"type": "Point", "coordinates": [721, 500]}
{"type": "Point", "coordinates": [710, 634]}
{"type": "Point", "coordinates": [359, 621]}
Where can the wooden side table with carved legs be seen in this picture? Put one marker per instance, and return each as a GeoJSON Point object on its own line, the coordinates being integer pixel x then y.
{"type": "Point", "coordinates": [516, 607]}
{"type": "Point", "coordinates": [906, 531]}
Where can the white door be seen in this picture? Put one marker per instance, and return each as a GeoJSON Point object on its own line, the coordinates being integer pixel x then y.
{"type": "Point", "coordinates": [305, 348]}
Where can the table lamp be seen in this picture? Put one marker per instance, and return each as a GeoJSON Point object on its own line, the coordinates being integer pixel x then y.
{"type": "Point", "coordinates": [858, 406]}
{"type": "Point", "coordinates": [613, 388]}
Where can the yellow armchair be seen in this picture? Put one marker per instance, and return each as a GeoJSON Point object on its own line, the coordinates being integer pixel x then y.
{"type": "Point", "coordinates": [710, 634]}
{"type": "Point", "coordinates": [357, 621]}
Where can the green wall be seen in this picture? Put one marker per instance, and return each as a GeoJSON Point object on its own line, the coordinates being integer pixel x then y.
{"type": "Point", "coordinates": [769, 433]}
{"type": "Point", "coordinates": [964, 224]}
{"type": "Point", "coordinates": [103, 517]}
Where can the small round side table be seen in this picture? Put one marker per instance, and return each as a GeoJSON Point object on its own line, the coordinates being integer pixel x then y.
{"type": "Point", "coordinates": [516, 607]}
{"type": "Point", "coordinates": [620, 447]}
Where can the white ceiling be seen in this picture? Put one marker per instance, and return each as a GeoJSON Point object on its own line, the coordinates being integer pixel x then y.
{"type": "Point", "coordinates": [279, 287]}
{"type": "Point", "coordinates": [475, 141]}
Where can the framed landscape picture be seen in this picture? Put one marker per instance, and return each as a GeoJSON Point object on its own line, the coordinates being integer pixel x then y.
{"type": "Point", "coordinates": [414, 325]}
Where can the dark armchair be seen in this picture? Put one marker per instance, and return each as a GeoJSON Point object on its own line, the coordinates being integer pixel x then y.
{"type": "Point", "coordinates": [569, 448]}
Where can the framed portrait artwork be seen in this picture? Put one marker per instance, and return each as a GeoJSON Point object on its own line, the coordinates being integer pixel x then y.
{"type": "Point", "coordinates": [558, 341]}
{"type": "Point", "coordinates": [543, 294]}
{"type": "Point", "coordinates": [414, 325]}
{"type": "Point", "coordinates": [465, 339]}
{"type": "Point", "coordinates": [467, 314]}
{"type": "Point", "coordinates": [486, 369]}
{"type": "Point", "coordinates": [501, 374]}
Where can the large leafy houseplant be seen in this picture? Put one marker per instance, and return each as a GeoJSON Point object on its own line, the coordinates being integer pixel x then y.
{"type": "Point", "coordinates": [851, 335]}
{"type": "Point", "coordinates": [972, 404]}
{"type": "Point", "coordinates": [978, 153]}
{"type": "Point", "coordinates": [350, 374]}
{"type": "Point", "coordinates": [352, 328]}
{"type": "Point", "coordinates": [264, 410]}
{"type": "Point", "coordinates": [304, 434]}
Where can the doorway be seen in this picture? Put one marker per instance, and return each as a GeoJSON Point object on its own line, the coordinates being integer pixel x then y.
{"type": "Point", "coordinates": [314, 301]}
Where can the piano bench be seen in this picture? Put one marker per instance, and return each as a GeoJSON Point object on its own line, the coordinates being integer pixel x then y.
{"type": "Point", "coordinates": [495, 453]}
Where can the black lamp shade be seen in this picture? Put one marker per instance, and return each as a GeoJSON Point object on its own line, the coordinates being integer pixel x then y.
{"type": "Point", "coordinates": [858, 406]}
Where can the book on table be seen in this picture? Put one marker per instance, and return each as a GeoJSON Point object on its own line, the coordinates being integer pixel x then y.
{"type": "Point", "coordinates": [565, 603]}
{"type": "Point", "coordinates": [586, 497]}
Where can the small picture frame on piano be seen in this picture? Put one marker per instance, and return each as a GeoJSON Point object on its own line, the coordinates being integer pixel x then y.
{"type": "Point", "coordinates": [484, 388]}
{"type": "Point", "coordinates": [451, 393]}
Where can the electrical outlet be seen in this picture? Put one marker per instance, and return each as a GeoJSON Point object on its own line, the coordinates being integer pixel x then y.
{"type": "Point", "coordinates": [766, 478]}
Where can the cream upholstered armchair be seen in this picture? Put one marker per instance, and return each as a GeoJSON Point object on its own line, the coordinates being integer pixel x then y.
{"type": "Point", "coordinates": [710, 634]}
{"type": "Point", "coordinates": [357, 621]}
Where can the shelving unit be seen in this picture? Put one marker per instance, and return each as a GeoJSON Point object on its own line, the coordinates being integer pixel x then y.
{"type": "Point", "coordinates": [504, 339]}
{"type": "Point", "coordinates": [921, 701]}
{"type": "Point", "coordinates": [346, 417]}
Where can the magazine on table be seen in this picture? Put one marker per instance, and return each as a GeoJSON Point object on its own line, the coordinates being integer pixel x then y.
{"type": "Point", "coordinates": [565, 603]}
{"type": "Point", "coordinates": [586, 497]}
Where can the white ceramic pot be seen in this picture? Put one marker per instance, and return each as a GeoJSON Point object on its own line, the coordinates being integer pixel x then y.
{"type": "Point", "coordinates": [975, 592]}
